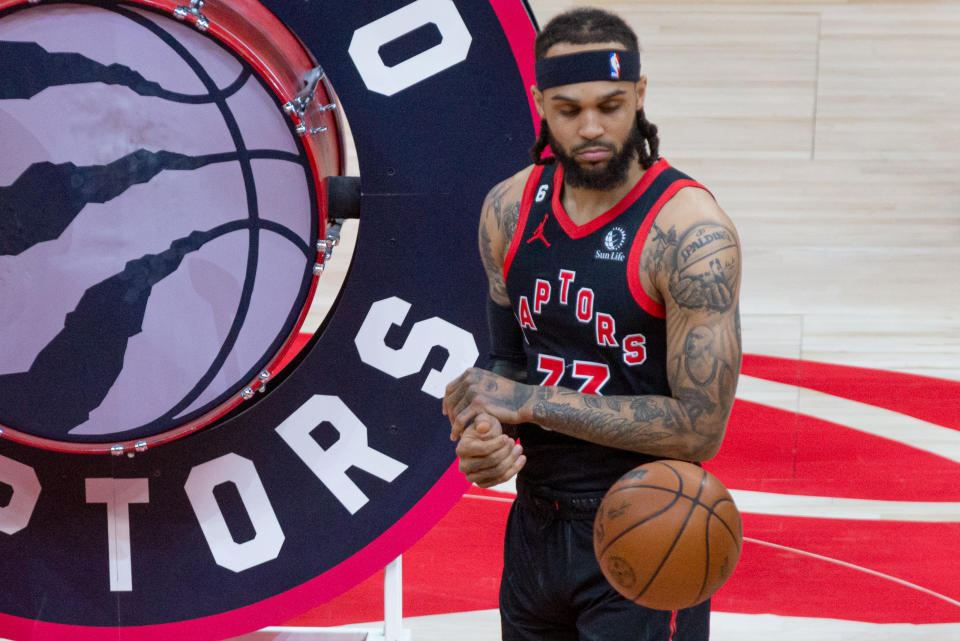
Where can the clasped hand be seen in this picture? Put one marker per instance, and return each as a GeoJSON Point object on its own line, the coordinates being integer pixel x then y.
{"type": "Point", "coordinates": [477, 403]}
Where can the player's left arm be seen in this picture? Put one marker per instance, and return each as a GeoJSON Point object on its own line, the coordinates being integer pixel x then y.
{"type": "Point", "coordinates": [692, 259]}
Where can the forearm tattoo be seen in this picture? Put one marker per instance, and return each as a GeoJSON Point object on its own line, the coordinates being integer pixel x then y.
{"type": "Point", "coordinates": [631, 423]}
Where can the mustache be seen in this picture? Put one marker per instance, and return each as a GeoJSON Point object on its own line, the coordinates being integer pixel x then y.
{"type": "Point", "coordinates": [593, 145]}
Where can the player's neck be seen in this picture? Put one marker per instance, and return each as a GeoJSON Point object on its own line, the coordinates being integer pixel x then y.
{"type": "Point", "coordinates": [584, 205]}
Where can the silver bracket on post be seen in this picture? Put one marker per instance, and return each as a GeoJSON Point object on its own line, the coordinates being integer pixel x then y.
{"type": "Point", "coordinates": [263, 378]}
{"type": "Point", "coordinates": [201, 22]}
{"type": "Point", "coordinates": [298, 105]}
{"type": "Point", "coordinates": [325, 249]}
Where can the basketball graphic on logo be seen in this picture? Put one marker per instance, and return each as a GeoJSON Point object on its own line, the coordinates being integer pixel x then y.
{"type": "Point", "coordinates": [150, 222]}
{"type": "Point", "coordinates": [161, 219]}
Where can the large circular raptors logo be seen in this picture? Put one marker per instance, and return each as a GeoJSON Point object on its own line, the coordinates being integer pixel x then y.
{"type": "Point", "coordinates": [159, 216]}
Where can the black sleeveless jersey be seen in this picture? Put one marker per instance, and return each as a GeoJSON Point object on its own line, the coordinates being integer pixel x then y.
{"type": "Point", "coordinates": [587, 322]}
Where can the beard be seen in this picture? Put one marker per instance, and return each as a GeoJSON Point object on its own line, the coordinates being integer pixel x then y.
{"type": "Point", "coordinates": [605, 177]}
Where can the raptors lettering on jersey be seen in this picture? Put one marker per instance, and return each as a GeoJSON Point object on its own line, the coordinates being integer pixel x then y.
{"type": "Point", "coordinates": [633, 346]}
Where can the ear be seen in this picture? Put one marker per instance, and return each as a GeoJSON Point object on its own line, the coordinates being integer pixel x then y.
{"type": "Point", "coordinates": [641, 87]}
{"type": "Point", "coordinates": [537, 99]}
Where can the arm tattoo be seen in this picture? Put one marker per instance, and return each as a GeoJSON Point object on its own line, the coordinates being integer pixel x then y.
{"type": "Point", "coordinates": [505, 216]}
{"type": "Point", "coordinates": [702, 264]}
{"type": "Point", "coordinates": [507, 213]}
{"type": "Point", "coordinates": [662, 258]}
{"type": "Point", "coordinates": [707, 268]}
{"type": "Point", "coordinates": [631, 423]}
{"type": "Point", "coordinates": [599, 426]}
{"type": "Point", "coordinates": [509, 221]}
{"type": "Point", "coordinates": [494, 271]}
{"type": "Point", "coordinates": [702, 378]}
{"type": "Point", "coordinates": [522, 394]}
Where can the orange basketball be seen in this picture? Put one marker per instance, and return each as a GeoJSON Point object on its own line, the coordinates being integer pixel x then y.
{"type": "Point", "coordinates": [667, 535]}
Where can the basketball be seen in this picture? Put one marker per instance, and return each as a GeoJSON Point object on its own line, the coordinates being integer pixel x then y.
{"type": "Point", "coordinates": [667, 535]}
{"type": "Point", "coordinates": [699, 249]}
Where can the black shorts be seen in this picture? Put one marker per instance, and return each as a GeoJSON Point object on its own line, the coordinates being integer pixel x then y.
{"type": "Point", "coordinates": [552, 588]}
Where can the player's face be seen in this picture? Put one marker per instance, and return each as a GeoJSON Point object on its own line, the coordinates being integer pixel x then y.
{"type": "Point", "coordinates": [592, 124]}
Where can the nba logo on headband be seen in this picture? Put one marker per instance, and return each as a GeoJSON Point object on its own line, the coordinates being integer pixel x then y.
{"type": "Point", "coordinates": [614, 66]}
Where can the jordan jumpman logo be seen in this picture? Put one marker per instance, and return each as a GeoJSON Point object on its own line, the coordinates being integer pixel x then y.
{"type": "Point", "coordinates": [539, 233]}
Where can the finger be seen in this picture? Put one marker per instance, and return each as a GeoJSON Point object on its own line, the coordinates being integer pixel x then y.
{"type": "Point", "coordinates": [483, 424]}
{"type": "Point", "coordinates": [454, 391]}
{"type": "Point", "coordinates": [450, 398]}
{"type": "Point", "coordinates": [504, 471]}
{"type": "Point", "coordinates": [460, 420]}
{"type": "Point", "coordinates": [455, 383]}
{"type": "Point", "coordinates": [489, 465]}
{"type": "Point", "coordinates": [494, 465]}
{"type": "Point", "coordinates": [488, 427]}
{"type": "Point", "coordinates": [464, 420]}
{"type": "Point", "coordinates": [506, 476]}
{"type": "Point", "coordinates": [465, 401]}
{"type": "Point", "coordinates": [483, 454]}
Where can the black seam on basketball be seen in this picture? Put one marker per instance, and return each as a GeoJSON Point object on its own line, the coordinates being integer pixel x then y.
{"type": "Point", "coordinates": [694, 502]}
{"type": "Point", "coordinates": [676, 497]}
{"type": "Point", "coordinates": [712, 512]}
{"type": "Point", "coordinates": [706, 564]}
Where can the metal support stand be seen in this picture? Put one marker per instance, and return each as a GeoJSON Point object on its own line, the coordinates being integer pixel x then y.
{"type": "Point", "coordinates": [392, 619]}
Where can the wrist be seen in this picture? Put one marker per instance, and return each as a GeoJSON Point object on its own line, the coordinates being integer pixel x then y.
{"type": "Point", "coordinates": [528, 412]}
{"type": "Point", "coordinates": [525, 410]}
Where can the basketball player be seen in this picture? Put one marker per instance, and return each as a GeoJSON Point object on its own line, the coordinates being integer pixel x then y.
{"type": "Point", "coordinates": [613, 311]}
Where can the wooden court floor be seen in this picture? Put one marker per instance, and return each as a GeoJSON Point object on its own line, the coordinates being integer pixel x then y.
{"type": "Point", "coordinates": [830, 133]}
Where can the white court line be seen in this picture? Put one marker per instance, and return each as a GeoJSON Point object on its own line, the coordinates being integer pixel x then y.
{"type": "Point", "coordinates": [828, 507]}
{"type": "Point", "coordinates": [503, 499]}
{"type": "Point", "coordinates": [483, 625]}
{"type": "Point", "coordinates": [859, 568]}
{"type": "Point", "coordinates": [730, 626]}
{"type": "Point", "coordinates": [941, 441]}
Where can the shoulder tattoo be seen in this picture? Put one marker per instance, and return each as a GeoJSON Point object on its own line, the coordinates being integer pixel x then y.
{"type": "Point", "coordinates": [505, 214]}
{"type": "Point", "coordinates": [701, 262]}
{"type": "Point", "coordinates": [505, 210]}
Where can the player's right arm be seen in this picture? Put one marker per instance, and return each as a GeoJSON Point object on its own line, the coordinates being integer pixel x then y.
{"type": "Point", "coordinates": [488, 451]}
{"type": "Point", "coordinates": [498, 223]}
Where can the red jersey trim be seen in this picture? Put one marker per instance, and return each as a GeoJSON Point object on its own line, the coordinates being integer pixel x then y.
{"type": "Point", "coordinates": [525, 203]}
{"type": "Point", "coordinates": [636, 249]}
{"type": "Point", "coordinates": [576, 231]}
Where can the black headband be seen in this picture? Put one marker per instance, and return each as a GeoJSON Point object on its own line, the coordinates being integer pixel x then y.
{"type": "Point", "coordinates": [587, 66]}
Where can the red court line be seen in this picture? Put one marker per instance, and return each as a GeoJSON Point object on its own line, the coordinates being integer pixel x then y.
{"type": "Point", "coordinates": [853, 570]}
{"type": "Point", "coordinates": [822, 568]}
{"type": "Point", "coordinates": [934, 400]}
{"type": "Point", "coordinates": [767, 449]}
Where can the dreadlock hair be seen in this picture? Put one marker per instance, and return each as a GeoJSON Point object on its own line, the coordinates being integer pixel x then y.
{"type": "Point", "coordinates": [584, 26]}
